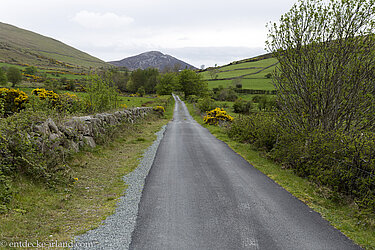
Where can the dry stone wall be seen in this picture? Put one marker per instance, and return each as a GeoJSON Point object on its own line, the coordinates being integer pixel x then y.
{"type": "Point", "coordinates": [80, 132]}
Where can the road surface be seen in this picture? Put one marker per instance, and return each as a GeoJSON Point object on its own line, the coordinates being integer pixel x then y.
{"type": "Point", "coordinates": [200, 194]}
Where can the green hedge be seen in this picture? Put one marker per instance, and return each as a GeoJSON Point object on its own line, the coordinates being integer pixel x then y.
{"type": "Point", "coordinates": [344, 162]}
{"type": "Point", "coordinates": [341, 160]}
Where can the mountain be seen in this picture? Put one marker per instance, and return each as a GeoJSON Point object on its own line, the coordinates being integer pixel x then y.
{"type": "Point", "coordinates": [19, 46]}
{"type": "Point", "coordinates": [152, 59]}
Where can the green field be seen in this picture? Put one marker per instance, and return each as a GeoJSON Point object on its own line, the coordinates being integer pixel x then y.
{"type": "Point", "coordinates": [49, 72]}
{"type": "Point", "coordinates": [256, 83]}
{"type": "Point", "coordinates": [252, 75]}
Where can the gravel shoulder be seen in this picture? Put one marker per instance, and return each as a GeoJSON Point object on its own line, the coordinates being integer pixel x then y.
{"type": "Point", "coordinates": [116, 231]}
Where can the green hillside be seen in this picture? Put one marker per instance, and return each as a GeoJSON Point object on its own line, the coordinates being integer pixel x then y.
{"type": "Point", "coordinates": [251, 73]}
{"type": "Point", "coordinates": [19, 46]}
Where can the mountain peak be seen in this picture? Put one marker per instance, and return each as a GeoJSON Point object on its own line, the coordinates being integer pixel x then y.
{"type": "Point", "coordinates": [151, 59]}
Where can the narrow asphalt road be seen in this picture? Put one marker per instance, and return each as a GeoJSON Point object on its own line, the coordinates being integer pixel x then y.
{"type": "Point", "coordinates": [200, 194]}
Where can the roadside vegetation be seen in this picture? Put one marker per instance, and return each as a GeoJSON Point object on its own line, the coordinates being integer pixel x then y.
{"type": "Point", "coordinates": [52, 191]}
{"type": "Point", "coordinates": [49, 214]}
{"type": "Point", "coordinates": [320, 124]}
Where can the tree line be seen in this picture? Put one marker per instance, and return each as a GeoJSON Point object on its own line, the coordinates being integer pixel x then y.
{"type": "Point", "coordinates": [151, 81]}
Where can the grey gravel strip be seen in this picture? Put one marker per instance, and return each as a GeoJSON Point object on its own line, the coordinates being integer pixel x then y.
{"type": "Point", "coordinates": [117, 229]}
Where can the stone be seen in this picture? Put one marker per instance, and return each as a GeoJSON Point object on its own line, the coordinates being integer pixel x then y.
{"type": "Point", "coordinates": [89, 141]}
{"type": "Point", "coordinates": [52, 125]}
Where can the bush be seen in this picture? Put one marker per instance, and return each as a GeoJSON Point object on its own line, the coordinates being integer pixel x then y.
{"type": "Point", "coordinates": [70, 103]}
{"type": "Point", "coordinates": [206, 104]}
{"type": "Point", "coordinates": [159, 109]}
{"type": "Point", "coordinates": [226, 95]}
{"type": "Point", "coordinates": [265, 103]}
{"type": "Point", "coordinates": [192, 99]}
{"type": "Point", "coordinates": [346, 163]}
{"type": "Point", "coordinates": [101, 93]}
{"type": "Point", "coordinates": [22, 152]}
{"type": "Point", "coordinates": [5, 193]}
{"type": "Point", "coordinates": [12, 100]}
{"type": "Point", "coordinates": [141, 91]}
{"type": "Point", "coordinates": [258, 129]}
{"type": "Point", "coordinates": [217, 115]}
{"type": "Point", "coordinates": [65, 102]}
{"type": "Point", "coordinates": [49, 96]}
{"type": "Point", "coordinates": [241, 106]}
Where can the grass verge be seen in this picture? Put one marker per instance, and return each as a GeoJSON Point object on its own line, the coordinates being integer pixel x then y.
{"type": "Point", "coordinates": [48, 215]}
{"type": "Point", "coordinates": [340, 211]}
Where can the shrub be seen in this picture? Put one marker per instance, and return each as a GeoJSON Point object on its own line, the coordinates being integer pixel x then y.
{"type": "Point", "coordinates": [159, 109]}
{"type": "Point", "coordinates": [344, 162]}
{"type": "Point", "coordinates": [237, 83]}
{"type": "Point", "coordinates": [70, 103]}
{"type": "Point", "coordinates": [22, 152]}
{"type": "Point", "coordinates": [13, 100]}
{"type": "Point", "coordinates": [101, 93]}
{"type": "Point", "coordinates": [49, 96]}
{"type": "Point", "coordinates": [192, 99]}
{"type": "Point", "coordinates": [65, 102]}
{"type": "Point", "coordinates": [265, 103]}
{"type": "Point", "coordinates": [241, 106]}
{"type": "Point", "coordinates": [258, 129]}
{"type": "Point", "coordinates": [141, 91]}
{"type": "Point", "coordinates": [217, 115]}
{"type": "Point", "coordinates": [206, 104]}
{"type": "Point", "coordinates": [226, 95]}
{"type": "Point", "coordinates": [5, 193]}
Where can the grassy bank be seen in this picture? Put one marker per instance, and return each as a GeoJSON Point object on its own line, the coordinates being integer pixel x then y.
{"type": "Point", "coordinates": [340, 211]}
{"type": "Point", "coordinates": [44, 214]}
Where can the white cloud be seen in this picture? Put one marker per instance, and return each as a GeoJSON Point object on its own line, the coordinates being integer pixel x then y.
{"type": "Point", "coordinates": [95, 20]}
{"type": "Point", "coordinates": [199, 32]}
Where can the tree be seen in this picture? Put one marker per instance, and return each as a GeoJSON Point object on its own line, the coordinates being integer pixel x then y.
{"type": "Point", "coordinates": [192, 83]}
{"type": "Point", "coordinates": [325, 78]}
{"type": "Point", "coordinates": [152, 76]}
{"type": "Point", "coordinates": [120, 78]}
{"type": "Point", "coordinates": [147, 78]}
{"type": "Point", "coordinates": [167, 84]}
{"type": "Point", "coordinates": [14, 75]}
{"type": "Point", "coordinates": [101, 93]}
{"type": "Point", "coordinates": [213, 72]}
{"type": "Point", "coordinates": [137, 79]}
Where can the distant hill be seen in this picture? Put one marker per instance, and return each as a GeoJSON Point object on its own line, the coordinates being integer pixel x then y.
{"type": "Point", "coordinates": [152, 59]}
{"type": "Point", "coordinates": [19, 46]}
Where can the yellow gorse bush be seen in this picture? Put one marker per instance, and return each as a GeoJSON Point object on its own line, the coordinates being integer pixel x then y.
{"type": "Point", "coordinates": [65, 101]}
{"type": "Point", "coordinates": [124, 106]}
{"type": "Point", "coordinates": [160, 109]}
{"type": "Point", "coordinates": [43, 94]}
{"type": "Point", "coordinates": [13, 99]}
{"type": "Point", "coordinates": [216, 115]}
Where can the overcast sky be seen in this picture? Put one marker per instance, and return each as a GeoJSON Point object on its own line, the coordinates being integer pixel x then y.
{"type": "Point", "coordinates": [200, 32]}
